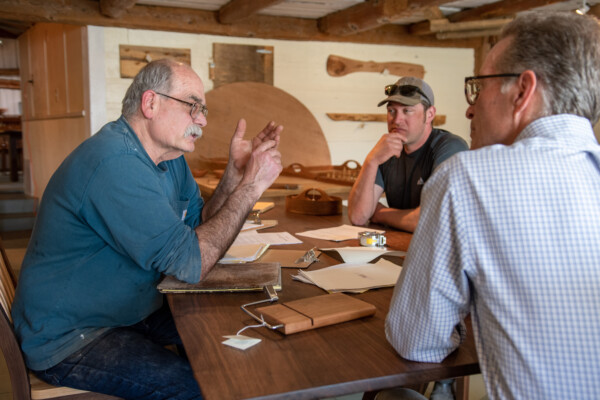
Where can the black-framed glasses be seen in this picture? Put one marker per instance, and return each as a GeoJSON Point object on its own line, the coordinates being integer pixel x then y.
{"type": "Point", "coordinates": [195, 108]}
{"type": "Point", "coordinates": [473, 85]}
{"type": "Point", "coordinates": [405, 90]}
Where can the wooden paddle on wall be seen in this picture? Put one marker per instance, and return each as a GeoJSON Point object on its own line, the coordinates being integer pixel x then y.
{"type": "Point", "coordinates": [340, 66]}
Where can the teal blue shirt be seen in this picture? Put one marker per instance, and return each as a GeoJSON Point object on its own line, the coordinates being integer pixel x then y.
{"type": "Point", "coordinates": [111, 222]}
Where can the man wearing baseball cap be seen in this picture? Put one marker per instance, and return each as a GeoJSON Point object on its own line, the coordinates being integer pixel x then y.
{"type": "Point", "coordinates": [403, 159]}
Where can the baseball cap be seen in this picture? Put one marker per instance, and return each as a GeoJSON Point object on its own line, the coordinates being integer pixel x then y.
{"type": "Point", "coordinates": [408, 91]}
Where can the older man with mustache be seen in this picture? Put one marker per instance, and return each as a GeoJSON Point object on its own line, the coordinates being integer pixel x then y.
{"type": "Point", "coordinates": [122, 210]}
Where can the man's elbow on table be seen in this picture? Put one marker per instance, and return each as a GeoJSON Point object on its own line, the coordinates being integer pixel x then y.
{"type": "Point", "coordinates": [417, 346]}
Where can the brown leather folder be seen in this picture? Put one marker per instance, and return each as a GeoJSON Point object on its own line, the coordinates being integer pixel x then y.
{"type": "Point", "coordinates": [229, 278]}
{"type": "Point", "coordinates": [315, 312]}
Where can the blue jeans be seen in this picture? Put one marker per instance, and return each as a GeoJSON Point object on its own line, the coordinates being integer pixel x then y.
{"type": "Point", "coordinates": [131, 363]}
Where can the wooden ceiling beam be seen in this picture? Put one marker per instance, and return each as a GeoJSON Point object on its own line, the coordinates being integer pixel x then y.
{"type": "Point", "coordinates": [238, 10]}
{"type": "Point", "coordinates": [443, 26]}
{"type": "Point", "coordinates": [373, 14]}
{"type": "Point", "coordinates": [10, 84]}
{"type": "Point", "coordinates": [9, 71]}
{"type": "Point", "coordinates": [115, 8]}
{"type": "Point", "coordinates": [86, 12]}
{"type": "Point", "coordinates": [504, 8]}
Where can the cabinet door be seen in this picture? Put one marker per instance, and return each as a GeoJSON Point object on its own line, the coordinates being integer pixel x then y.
{"type": "Point", "coordinates": [55, 96]}
{"type": "Point", "coordinates": [52, 58]}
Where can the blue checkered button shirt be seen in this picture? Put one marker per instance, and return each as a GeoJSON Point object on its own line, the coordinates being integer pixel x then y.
{"type": "Point", "coordinates": [511, 234]}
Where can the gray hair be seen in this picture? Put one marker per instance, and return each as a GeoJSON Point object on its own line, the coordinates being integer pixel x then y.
{"type": "Point", "coordinates": [563, 50]}
{"type": "Point", "coordinates": [154, 76]}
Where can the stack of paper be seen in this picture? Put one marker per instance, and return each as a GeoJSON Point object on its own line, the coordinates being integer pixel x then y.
{"type": "Point", "coordinates": [353, 278]}
{"type": "Point", "coordinates": [337, 234]}
{"type": "Point", "coordinates": [243, 253]}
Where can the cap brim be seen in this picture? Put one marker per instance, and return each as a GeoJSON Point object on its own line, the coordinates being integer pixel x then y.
{"type": "Point", "coordinates": [407, 101]}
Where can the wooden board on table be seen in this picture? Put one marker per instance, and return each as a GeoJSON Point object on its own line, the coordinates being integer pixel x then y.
{"type": "Point", "coordinates": [315, 312]}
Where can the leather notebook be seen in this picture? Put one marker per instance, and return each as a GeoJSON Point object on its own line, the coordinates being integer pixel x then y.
{"type": "Point", "coordinates": [315, 312]}
{"type": "Point", "coordinates": [229, 278]}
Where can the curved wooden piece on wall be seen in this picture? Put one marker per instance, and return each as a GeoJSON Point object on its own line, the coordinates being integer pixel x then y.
{"type": "Point", "coordinates": [302, 140]}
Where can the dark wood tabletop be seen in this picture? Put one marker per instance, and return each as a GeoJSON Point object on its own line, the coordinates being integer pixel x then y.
{"type": "Point", "coordinates": [330, 361]}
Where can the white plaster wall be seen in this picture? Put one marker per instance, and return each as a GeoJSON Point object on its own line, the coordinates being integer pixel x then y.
{"type": "Point", "coordinates": [97, 74]}
{"type": "Point", "coordinates": [300, 70]}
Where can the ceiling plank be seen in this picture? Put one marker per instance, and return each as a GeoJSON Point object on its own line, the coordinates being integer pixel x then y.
{"type": "Point", "coordinates": [86, 12]}
{"type": "Point", "coordinates": [504, 8]}
{"type": "Point", "coordinates": [115, 8]}
{"type": "Point", "coordinates": [373, 14]}
{"type": "Point", "coordinates": [238, 10]}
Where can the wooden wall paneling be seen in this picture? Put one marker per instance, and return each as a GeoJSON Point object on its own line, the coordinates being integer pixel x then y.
{"type": "Point", "coordinates": [76, 71]}
{"type": "Point", "coordinates": [38, 67]}
{"type": "Point", "coordinates": [50, 141]}
{"type": "Point", "coordinates": [241, 63]}
{"type": "Point", "coordinates": [27, 105]}
{"type": "Point", "coordinates": [56, 102]}
{"type": "Point", "coordinates": [57, 69]}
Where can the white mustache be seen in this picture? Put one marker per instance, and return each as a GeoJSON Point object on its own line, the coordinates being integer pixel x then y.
{"type": "Point", "coordinates": [193, 130]}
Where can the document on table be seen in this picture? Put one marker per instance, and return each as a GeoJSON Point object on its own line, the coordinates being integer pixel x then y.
{"type": "Point", "coordinates": [363, 254]}
{"type": "Point", "coordinates": [241, 253]}
{"type": "Point", "coordinates": [338, 233]}
{"type": "Point", "coordinates": [353, 278]}
{"type": "Point", "coordinates": [272, 238]}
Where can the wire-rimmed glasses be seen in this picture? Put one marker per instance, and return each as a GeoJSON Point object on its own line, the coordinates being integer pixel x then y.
{"type": "Point", "coordinates": [473, 85]}
{"type": "Point", "coordinates": [195, 108]}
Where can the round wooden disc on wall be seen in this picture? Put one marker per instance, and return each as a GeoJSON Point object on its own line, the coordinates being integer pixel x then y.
{"type": "Point", "coordinates": [302, 140]}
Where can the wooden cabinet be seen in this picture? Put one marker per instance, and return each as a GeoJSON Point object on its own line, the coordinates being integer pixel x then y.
{"type": "Point", "coordinates": [52, 71]}
{"type": "Point", "coordinates": [55, 98]}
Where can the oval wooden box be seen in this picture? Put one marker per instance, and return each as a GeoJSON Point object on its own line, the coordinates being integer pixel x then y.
{"type": "Point", "coordinates": [313, 201]}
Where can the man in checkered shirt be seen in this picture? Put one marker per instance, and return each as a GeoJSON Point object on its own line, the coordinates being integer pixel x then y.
{"type": "Point", "coordinates": [510, 231]}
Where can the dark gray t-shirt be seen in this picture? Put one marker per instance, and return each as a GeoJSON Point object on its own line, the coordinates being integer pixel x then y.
{"type": "Point", "coordinates": [402, 178]}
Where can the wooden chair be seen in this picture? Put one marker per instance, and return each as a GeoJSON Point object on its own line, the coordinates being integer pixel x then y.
{"type": "Point", "coordinates": [25, 385]}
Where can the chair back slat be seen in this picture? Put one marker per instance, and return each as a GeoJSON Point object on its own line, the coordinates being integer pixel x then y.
{"type": "Point", "coordinates": [7, 283]}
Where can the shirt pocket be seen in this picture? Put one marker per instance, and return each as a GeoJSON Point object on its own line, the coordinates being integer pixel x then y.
{"type": "Point", "coordinates": [180, 207]}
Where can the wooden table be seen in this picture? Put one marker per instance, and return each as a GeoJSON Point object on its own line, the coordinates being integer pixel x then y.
{"type": "Point", "coordinates": [331, 361]}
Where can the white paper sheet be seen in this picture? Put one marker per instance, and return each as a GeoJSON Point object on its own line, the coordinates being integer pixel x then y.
{"type": "Point", "coordinates": [338, 233]}
{"type": "Point", "coordinates": [353, 277]}
{"type": "Point", "coordinates": [364, 254]}
{"type": "Point", "coordinates": [272, 238]}
{"type": "Point", "coordinates": [250, 226]}
{"type": "Point", "coordinates": [240, 341]}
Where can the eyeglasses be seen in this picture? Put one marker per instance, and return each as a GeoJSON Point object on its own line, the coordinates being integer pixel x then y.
{"type": "Point", "coordinates": [473, 85]}
{"type": "Point", "coordinates": [405, 90]}
{"type": "Point", "coordinates": [196, 108]}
